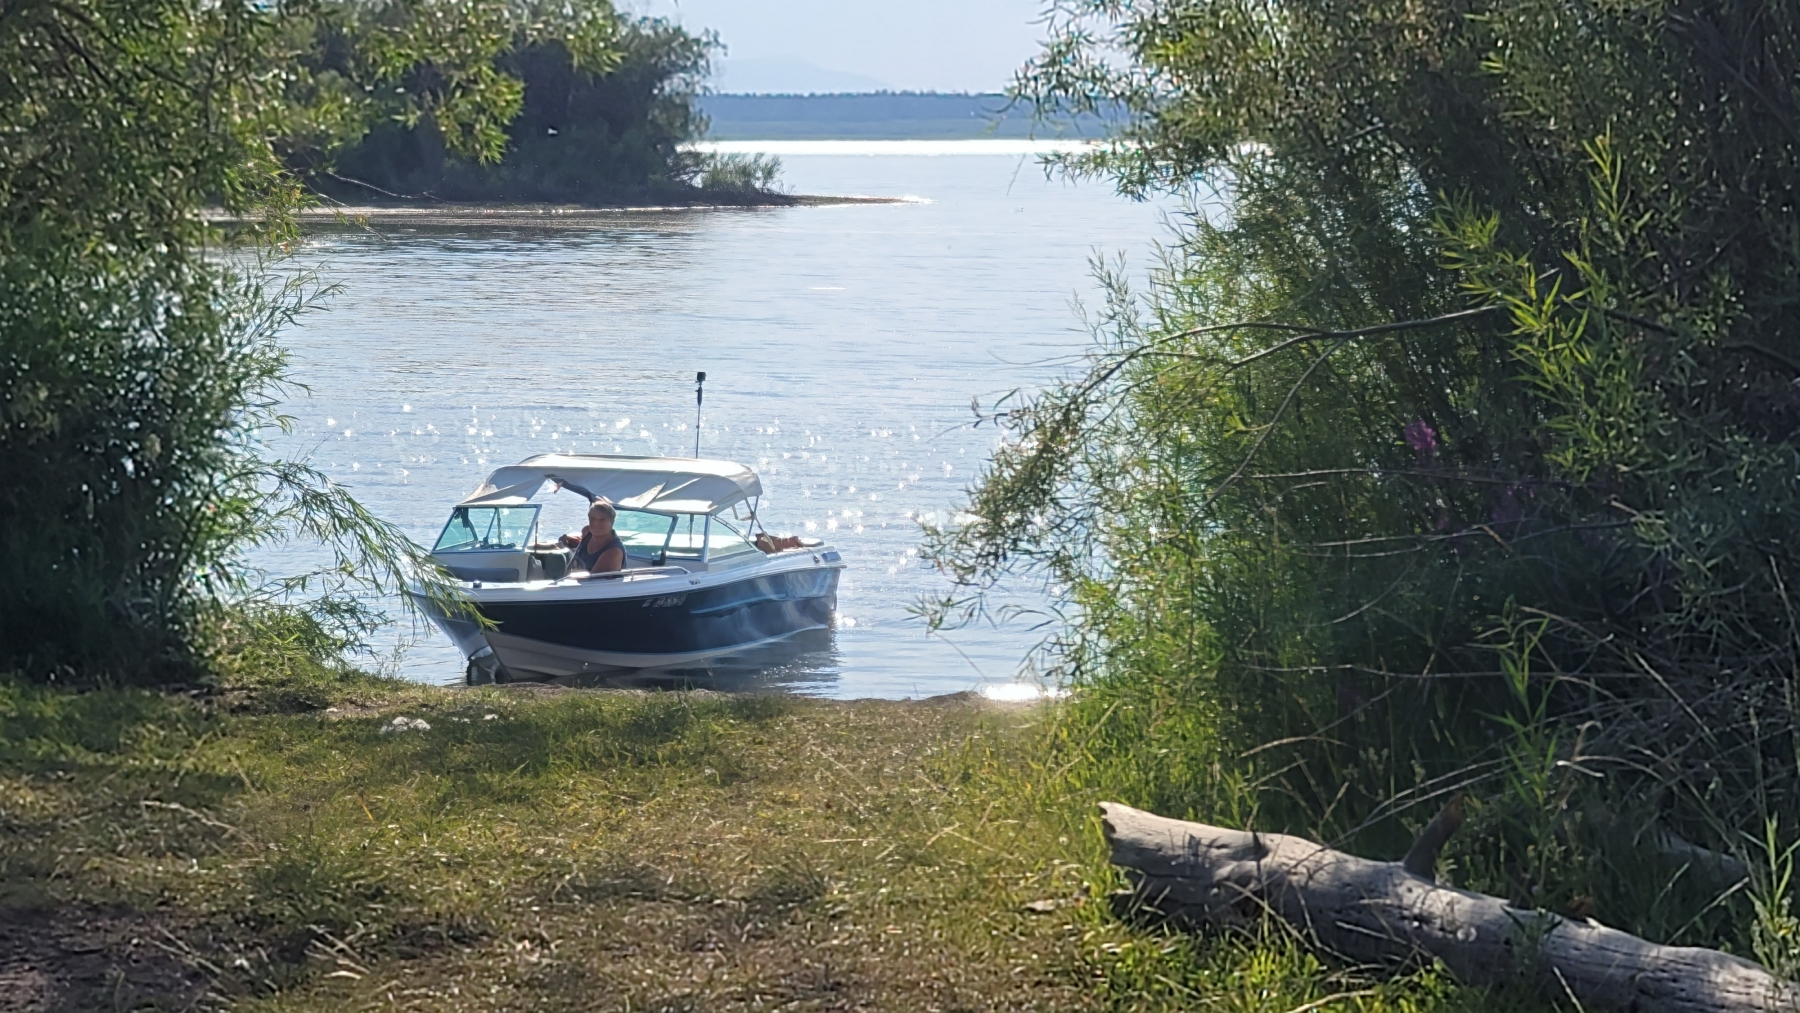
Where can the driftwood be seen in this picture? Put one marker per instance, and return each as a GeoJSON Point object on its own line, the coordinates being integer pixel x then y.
{"type": "Point", "coordinates": [1393, 913]}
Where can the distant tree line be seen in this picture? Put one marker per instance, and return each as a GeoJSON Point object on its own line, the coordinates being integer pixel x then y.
{"type": "Point", "coordinates": [898, 116]}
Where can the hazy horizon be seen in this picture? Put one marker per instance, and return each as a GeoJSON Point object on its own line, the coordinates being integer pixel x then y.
{"type": "Point", "coordinates": [800, 46]}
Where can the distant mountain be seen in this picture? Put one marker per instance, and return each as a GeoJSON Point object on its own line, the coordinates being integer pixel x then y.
{"type": "Point", "coordinates": [787, 75]}
{"type": "Point", "coordinates": [924, 116]}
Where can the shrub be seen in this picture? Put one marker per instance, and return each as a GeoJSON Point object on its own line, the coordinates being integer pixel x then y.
{"type": "Point", "coordinates": [137, 363]}
{"type": "Point", "coordinates": [1456, 454]}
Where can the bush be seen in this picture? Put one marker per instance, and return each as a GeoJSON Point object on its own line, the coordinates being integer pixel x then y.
{"type": "Point", "coordinates": [138, 365]}
{"type": "Point", "coordinates": [129, 359]}
{"type": "Point", "coordinates": [752, 174]}
{"type": "Point", "coordinates": [1457, 455]}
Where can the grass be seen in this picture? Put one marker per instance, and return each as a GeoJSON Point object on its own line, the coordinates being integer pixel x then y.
{"type": "Point", "coordinates": [275, 847]}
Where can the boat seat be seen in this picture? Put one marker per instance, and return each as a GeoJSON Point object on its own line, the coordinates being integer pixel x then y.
{"type": "Point", "coordinates": [553, 560]}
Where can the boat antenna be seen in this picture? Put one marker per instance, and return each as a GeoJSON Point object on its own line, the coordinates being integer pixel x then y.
{"type": "Point", "coordinates": [699, 396]}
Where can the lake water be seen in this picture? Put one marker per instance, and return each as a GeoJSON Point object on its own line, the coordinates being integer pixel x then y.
{"type": "Point", "coordinates": [842, 347]}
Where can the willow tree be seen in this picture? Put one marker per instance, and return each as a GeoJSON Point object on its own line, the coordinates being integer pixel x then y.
{"type": "Point", "coordinates": [138, 366]}
{"type": "Point", "coordinates": [1458, 453]}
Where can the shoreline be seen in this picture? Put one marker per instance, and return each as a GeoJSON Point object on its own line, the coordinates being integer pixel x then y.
{"type": "Point", "coordinates": [539, 214]}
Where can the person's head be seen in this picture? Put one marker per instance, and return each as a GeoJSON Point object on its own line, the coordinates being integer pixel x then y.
{"type": "Point", "coordinates": [601, 515]}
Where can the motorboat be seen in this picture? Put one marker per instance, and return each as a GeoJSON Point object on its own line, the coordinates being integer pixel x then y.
{"type": "Point", "coordinates": [695, 585]}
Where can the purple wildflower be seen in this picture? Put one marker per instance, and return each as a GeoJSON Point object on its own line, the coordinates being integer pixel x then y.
{"type": "Point", "coordinates": [1422, 439]}
{"type": "Point", "coordinates": [1507, 510]}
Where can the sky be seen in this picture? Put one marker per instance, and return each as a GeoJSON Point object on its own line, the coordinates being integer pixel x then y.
{"type": "Point", "coordinates": [863, 45]}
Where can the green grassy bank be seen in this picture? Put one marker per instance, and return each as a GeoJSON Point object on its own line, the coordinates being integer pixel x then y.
{"type": "Point", "coordinates": [279, 847]}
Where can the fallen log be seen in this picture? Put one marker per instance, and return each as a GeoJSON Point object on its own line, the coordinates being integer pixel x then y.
{"type": "Point", "coordinates": [1393, 913]}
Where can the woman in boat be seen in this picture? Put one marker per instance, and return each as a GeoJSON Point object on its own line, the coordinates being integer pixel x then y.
{"type": "Point", "coordinates": [597, 549]}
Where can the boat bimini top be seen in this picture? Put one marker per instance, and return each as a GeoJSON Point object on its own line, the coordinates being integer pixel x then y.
{"type": "Point", "coordinates": [667, 485]}
{"type": "Point", "coordinates": [670, 510]}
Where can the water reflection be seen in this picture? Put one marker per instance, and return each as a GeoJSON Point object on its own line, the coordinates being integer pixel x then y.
{"type": "Point", "coordinates": [842, 346]}
{"type": "Point", "coordinates": [806, 663]}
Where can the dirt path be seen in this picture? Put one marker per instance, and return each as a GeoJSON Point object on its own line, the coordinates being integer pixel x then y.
{"type": "Point", "coordinates": [77, 958]}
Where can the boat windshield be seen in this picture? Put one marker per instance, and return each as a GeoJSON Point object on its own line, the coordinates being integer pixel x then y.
{"type": "Point", "coordinates": [473, 529]}
{"type": "Point", "coordinates": [688, 537]}
{"type": "Point", "coordinates": [725, 542]}
{"type": "Point", "coordinates": [695, 534]}
{"type": "Point", "coordinates": [644, 534]}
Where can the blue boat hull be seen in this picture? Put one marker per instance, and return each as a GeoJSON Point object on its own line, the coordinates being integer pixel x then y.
{"type": "Point", "coordinates": [674, 627]}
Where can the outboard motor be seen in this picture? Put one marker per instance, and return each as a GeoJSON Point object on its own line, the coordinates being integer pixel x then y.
{"type": "Point", "coordinates": [485, 669]}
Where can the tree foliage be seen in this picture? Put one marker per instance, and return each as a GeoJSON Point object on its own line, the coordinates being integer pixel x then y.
{"type": "Point", "coordinates": [495, 100]}
{"type": "Point", "coordinates": [138, 362]}
{"type": "Point", "coordinates": [1458, 451]}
